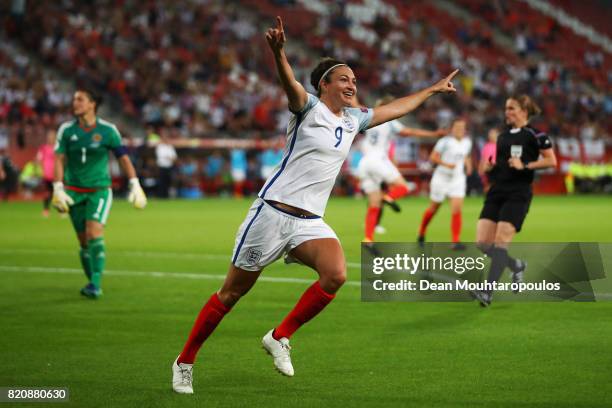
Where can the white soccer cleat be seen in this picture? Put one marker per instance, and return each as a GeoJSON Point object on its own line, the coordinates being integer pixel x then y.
{"type": "Point", "coordinates": [379, 229]}
{"type": "Point", "coordinates": [182, 377]}
{"type": "Point", "coordinates": [279, 350]}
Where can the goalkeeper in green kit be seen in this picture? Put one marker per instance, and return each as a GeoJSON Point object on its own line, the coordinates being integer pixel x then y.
{"type": "Point", "coordinates": [81, 162]}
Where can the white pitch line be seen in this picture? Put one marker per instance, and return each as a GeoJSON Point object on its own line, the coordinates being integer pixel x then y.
{"type": "Point", "coordinates": [153, 274]}
{"type": "Point", "coordinates": [143, 254]}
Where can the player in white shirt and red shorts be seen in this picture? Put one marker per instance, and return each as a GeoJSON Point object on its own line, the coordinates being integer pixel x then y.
{"type": "Point", "coordinates": [376, 167]}
{"type": "Point", "coordinates": [453, 159]}
{"type": "Point", "coordinates": [285, 219]}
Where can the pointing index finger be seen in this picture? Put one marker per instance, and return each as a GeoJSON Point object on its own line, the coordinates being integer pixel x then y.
{"type": "Point", "coordinates": [279, 23]}
{"type": "Point", "coordinates": [452, 74]}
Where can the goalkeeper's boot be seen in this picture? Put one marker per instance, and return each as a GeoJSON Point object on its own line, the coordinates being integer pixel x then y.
{"type": "Point", "coordinates": [182, 377]}
{"type": "Point", "coordinates": [279, 350]}
{"type": "Point", "coordinates": [518, 271]}
{"type": "Point", "coordinates": [91, 292]}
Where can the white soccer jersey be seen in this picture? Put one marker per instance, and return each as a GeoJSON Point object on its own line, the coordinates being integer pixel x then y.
{"type": "Point", "coordinates": [452, 151]}
{"type": "Point", "coordinates": [377, 140]}
{"type": "Point", "coordinates": [318, 142]}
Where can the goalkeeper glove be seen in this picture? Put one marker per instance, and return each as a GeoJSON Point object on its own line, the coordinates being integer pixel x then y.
{"type": "Point", "coordinates": [136, 195]}
{"type": "Point", "coordinates": [60, 200]}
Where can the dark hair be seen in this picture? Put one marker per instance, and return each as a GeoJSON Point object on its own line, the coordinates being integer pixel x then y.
{"type": "Point", "coordinates": [92, 94]}
{"type": "Point", "coordinates": [527, 104]}
{"type": "Point", "coordinates": [317, 73]}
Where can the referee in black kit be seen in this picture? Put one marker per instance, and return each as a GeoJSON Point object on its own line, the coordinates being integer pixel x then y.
{"type": "Point", "coordinates": [521, 149]}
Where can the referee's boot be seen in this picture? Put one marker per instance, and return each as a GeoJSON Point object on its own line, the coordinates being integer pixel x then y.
{"type": "Point", "coordinates": [518, 271]}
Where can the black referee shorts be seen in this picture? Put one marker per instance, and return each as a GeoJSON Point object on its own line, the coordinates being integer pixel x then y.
{"type": "Point", "coordinates": [507, 204]}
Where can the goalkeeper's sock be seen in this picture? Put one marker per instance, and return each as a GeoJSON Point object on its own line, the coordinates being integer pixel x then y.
{"type": "Point", "coordinates": [98, 260]}
{"type": "Point", "coordinates": [86, 262]}
{"type": "Point", "coordinates": [206, 322]}
{"type": "Point", "coordinates": [310, 304]}
{"type": "Point", "coordinates": [370, 222]}
{"type": "Point", "coordinates": [499, 262]}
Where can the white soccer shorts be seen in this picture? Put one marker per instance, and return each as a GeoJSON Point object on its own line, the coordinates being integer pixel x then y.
{"type": "Point", "coordinates": [375, 169]}
{"type": "Point", "coordinates": [268, 233]}
{"type": "Point", "coordinates": [442, 186]}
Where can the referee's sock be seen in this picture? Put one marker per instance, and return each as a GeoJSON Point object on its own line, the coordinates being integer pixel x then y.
{"type": "Point", "coordinates": [499, 261]}
{"type": "Point", "coordinates": [512, 262]}
{"type": "Point", "coordinates": [206, 322]}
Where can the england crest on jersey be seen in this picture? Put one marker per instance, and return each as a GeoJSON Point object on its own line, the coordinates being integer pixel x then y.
{"type": "Point", "coordinates": [348, 123]}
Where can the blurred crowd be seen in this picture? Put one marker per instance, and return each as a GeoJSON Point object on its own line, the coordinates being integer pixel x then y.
{"type": "Point", "coordinates": [201, 69]}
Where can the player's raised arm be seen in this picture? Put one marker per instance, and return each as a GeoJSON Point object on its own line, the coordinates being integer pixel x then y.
{"type": "Point", "coordinates": [296, 94]}
{"type": "Point", "coordinates": [402, 106]}
{"type": "Point", "coordinates": [413, 132]}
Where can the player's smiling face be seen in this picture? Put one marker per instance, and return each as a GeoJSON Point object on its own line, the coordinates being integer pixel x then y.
{"type": "Point", "coordinates": [458, 129]}
{"type": "Point", "coordinates": [342, 87]}
{"type": "Point", "coordinates": [82, 104]}
{"type": "Point", "coordinates": [515, 115]}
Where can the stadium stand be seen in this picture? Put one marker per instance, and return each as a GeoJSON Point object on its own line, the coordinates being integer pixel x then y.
{"type": "Point", "coordinates": [198, 71]}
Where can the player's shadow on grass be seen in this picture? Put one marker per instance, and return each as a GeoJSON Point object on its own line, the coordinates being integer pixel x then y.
{"type": "Point", "coordinates": [446, 315]}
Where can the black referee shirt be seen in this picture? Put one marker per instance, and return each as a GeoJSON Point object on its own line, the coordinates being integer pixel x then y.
{"type": "Point", "coordinates": [525, 143]}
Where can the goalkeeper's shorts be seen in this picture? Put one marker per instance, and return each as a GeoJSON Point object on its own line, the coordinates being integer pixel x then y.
{"type": "Point", "coordinates": [92, 206]}
{"type": "Point", "coordinates": [268, 233]}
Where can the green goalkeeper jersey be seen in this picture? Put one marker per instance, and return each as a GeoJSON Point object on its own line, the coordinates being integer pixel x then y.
{"type": "Point", "coordinates": [86, 151]}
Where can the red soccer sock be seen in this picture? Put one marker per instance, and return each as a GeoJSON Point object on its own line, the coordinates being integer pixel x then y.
{"type": "Point", "coordinates": [427, 216]}
{"type": "Point", "coordinates": [310, 304]}
{"type": "Point", "coordinates": [208, 319]}
{"type": "Point", "coordinates": [456, 226]}
{"type": "Point", "coordinates": [398, 191]}
{"type": "Point", "coordinates": [371, 221]}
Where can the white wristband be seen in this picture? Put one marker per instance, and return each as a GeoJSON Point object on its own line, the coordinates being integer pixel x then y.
{"type": "Point", "coordinates": [58, 185]}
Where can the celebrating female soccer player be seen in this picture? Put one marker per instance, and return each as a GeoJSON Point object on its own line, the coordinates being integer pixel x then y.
{"type": "Point", "coordinates": [81, 161]}
{"type": "Point", "coordinates": [286, 217]}
{"type": "Point", "coordinates": [452, 156]}
{"type": "Point", "coordinates": [520, 150]}
{"type": "Point", "coordinates": [376, 167]}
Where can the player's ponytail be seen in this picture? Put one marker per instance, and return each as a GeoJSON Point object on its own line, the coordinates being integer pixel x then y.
{"type": "Point", "coordinates": [527, 104]}
{"type": "Point", "coordinates": [322, 72]}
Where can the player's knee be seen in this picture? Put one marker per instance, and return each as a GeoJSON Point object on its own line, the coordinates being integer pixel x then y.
{"type": "Point", "coordinates": [229, 297]}
{"type": "Point", "coordinates": [333, 279]}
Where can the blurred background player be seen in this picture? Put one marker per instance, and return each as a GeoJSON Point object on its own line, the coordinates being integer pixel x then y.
{"type": "Point", "coordinates": [487, 157]}
{"type": "Point", "coordinates": [521, 149]}
{"type": "Point", "coordinates": [81, 161]}
{"type": "Point", "coordinates": [376, 168]}
{"type": "Point", "coordinates": [46, 158]}
{"type": "Point", "coordinates": [453, 159]}
{"type": "Point", "coordinates": [286, 217]}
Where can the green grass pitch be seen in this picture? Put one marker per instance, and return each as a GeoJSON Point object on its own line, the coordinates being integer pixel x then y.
{"type": "Point", "coordinates": [165, 261]}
